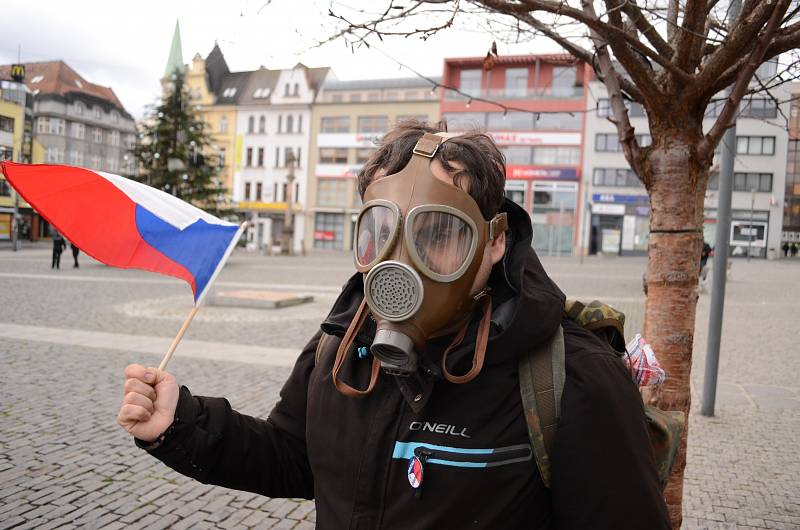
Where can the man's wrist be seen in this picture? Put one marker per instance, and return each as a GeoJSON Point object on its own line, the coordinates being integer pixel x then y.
{"type": "Point", "coordinates": [155, 444]}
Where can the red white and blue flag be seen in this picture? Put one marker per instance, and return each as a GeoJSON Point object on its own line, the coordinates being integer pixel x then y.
{"type": "Point", "coordinates": [124, 223]}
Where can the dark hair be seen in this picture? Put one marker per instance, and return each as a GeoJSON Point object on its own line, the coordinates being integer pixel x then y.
{"type": "Point", "coordinates": [484, 164]}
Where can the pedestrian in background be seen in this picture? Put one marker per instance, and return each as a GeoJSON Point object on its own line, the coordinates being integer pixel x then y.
{"type": "Point", "coordinates": [795, 248]}
{"type": "Point", "coordinates": [704, 254]}
{"type": "Point", "coordinates": [75, 252]}
{"type": "Point", "coordinates": [58, 247]}
{"type": "Point", "coordinates": [785, 248]}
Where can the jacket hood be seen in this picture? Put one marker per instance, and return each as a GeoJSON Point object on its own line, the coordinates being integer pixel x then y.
{"type": "Point", "coordinates": [527, 304]}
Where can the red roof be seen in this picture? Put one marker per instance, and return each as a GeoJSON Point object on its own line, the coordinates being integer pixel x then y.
{"type": "Point", "coordinates": [56, 77]}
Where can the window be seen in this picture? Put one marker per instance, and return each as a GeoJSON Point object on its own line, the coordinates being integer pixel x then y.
{"type": "Point", "coordinates": [286, 89]}
{"type": "Point", "coordinates": [355, 98]}
{"type": "Point", "coordinates": [260, 157]}
{"type": "Point", "coordinates": [462, 121]}
{"type": "Point", "coordinates": [95, 162]}
{"type": "Point", "coordinates": [280, 122]}
{"type": "Point", "coordinates": [229, 92]}
{"type": "Point", "coordinates": [337, 98]}
{"type": "Point", "coordinates": [288, 153]}
{"type": "Point", "coordinates": [114, 117]}
{"type": "Point", "coordinates": [251, 124]}
{"type": "Point", "coordinates": [759, 108]}
{"type": "Point", "coordinates": [362, 155]}
{"type": "Point", "coordinates": [755, 145]}
{"type": "Point", "coordinates": [373, 124]}
{"type": "Point", "coordinates": [113, 138]}
{"type": "Point", "coordinates": [249, 157]}
{"type": "Point", "coordinates": [130, 141]}
{"type": "Point", "coordinates": [97, 135]}
{"type": "Point", "coordinates": [410, 95]}
{"type": "Point", "coordinates": [337, 124]}
{"type": "Point", "coordinates": [299, 123]}
{"type": "Point", "coordinates": [412, 117]}
{"type": "Point", "coordinates": [470, 82]}
{"type": "Point", "coordinates": [558, 121]}
{"type": "Point", "coordinates": [76, 158]}
{"type": "Point", "coordinates": [112, 164]}
{"type": "Point", "coordinates": [568, 156]}
{"type": "Point", "coordinates": [247, 191]}
{"type": "Point", "coordinates": [610, 142]}
{"type": "Point", "coordinates": [767, 70]}
{"type": "Point", "coordinates": [373, 96]}
{"type": "Point", "coordinates": [43, 125]}
{"type": "Point", "coordinates": [517, 155]}
{"type": "Point", "coordinates": [78, 130]}
{"type": "Point", "coordinates": [329, 155]}
{"type": "Point", "coordinates": [262, 124]}
{"type": "Point", "coordinates": [615, 177]}
{"type": "Point", "coordinates": [564, 81]}
{"type": "Point", "coordinates": [761, 182]}
{"type": "Point", "coordinates": [635, 110]}
{"type": "Point", "coordinates": [296, 91]}
{"type": "Point", "coordinates": [332, 192]}
{"type": "Point", "coordinates": [329, 230]}
{"type": "Point", "coordinates": [511, 121]}
{"type": "Point", "coordinates": [392, 96]}
{"type": "Point", "coordinates": [289, 123]}
{"type": "Point", "coordinates": [261, 93]}
{"type": "Point", "coordinates": [259, 188]}
{"type": "Point", "coordinates": [275, 191]}
{"type": "Point", "coordinates": [56, 126]}
{"type": "Point", "coordinates": [221, 157]}
{"type": "Point", "coordinates": [516, 82]}
{"type": "Point", "coordinates": [6, 124]}
{"type": "Point", "coordinates": [298, 158]}
{"type": "Point", "coordinates": [223, 124]}
{"type": "Point", "coordinates": [54, 155]}
{"type": "Point", "coordinates": [277, 158]}
{"type": "Point", "coordinates": [79, 108]}
{"type": "Point", "coordinates": [196, 93]}
{"type": "Point", "coordinates": [98, 113]}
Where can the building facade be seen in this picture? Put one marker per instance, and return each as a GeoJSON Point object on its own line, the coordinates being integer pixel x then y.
{"type": "Point", "coordinates": [791, 208]}
{"type": "Point", "coordinates": [618, 219]}
{"type": "Point", "coordinates": [540, 132]}
{"type": "Point", "coordinates": [346, 121]}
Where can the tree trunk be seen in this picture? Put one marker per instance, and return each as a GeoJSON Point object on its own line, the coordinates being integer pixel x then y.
{"type": "Point", "coordinates": [676, 184]}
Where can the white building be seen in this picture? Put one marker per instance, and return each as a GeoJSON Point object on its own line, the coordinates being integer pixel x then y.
{"type": "Point", "coordinates": [618, 219]}
{"type": "Point", "coordinates": [273, 121]}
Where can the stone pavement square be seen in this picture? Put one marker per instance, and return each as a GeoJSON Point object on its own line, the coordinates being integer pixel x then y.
{"type": "Point", "coordinates": [66, 336]}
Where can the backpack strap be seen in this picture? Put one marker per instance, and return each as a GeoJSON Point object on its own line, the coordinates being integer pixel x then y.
{"type": "Point", "coordinates": [541, 383]}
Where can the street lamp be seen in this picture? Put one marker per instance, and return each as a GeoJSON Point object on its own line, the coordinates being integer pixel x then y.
{"type": "Point", "coordinates": [288, 228]}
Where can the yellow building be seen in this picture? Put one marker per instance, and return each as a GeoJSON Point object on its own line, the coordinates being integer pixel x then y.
{"type": "Point", "coordinates": [347, 119]}
{"type": "Point", "coordinates": [210, 83]}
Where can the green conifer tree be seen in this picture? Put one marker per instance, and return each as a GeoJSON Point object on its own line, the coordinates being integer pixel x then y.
{"type": "Point", "coordinates": [174, 151]}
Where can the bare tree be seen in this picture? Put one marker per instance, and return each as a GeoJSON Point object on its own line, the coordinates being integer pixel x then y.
{"type": "Point", "coordinates": [671, 56]}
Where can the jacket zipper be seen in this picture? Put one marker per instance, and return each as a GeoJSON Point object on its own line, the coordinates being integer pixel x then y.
{"type": "Point", "coordinates": [501, 456]}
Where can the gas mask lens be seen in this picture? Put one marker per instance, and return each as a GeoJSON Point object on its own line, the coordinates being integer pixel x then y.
{"type": "Point", "coordinates": [377, 227]}
{"type": "Point", "coordinates": [442, 242]}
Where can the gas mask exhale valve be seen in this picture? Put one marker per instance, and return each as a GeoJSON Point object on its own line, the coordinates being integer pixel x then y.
{"type": "Point", "coordinates": [419, 242]}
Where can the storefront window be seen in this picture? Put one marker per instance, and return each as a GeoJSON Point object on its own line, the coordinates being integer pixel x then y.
{"type": "Point", "coordinates": [329, 230]}
{"type": "Point", "coordinates": [553, 217]}
{"type": "Point", "coordinates": [332, 192]}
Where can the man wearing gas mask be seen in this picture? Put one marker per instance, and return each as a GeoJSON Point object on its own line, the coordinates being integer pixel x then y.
{"type": "Point", "coordinates": [404, 410]}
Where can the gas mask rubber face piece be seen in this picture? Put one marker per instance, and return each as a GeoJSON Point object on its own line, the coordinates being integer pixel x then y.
{"type": "Point", "coordinates": [419, 243]}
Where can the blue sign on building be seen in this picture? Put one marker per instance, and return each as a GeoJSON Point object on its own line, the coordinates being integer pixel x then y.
{"type": "Point", "coordinates": [620, 199]}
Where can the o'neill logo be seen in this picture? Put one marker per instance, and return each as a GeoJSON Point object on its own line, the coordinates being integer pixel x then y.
{"type": "Point", "coordinates": [438, 428]}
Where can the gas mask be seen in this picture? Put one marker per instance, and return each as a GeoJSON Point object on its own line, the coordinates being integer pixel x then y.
{"type": "Point", "coordinates": [420, 243]}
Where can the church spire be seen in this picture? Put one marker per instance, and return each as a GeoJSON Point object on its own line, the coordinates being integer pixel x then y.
{"type": "Point", "coordinates": [175, 61]}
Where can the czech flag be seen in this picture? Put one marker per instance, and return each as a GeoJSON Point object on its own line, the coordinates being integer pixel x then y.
{"type": "Point", "coordinates": [124, 223]}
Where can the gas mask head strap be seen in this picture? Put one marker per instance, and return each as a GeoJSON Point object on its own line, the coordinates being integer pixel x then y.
{"type": "Point", "coordinates": [427, 146]}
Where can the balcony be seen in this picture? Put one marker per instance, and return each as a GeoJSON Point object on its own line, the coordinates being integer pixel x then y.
{"type": "Point", "coordinates": [512, 94]}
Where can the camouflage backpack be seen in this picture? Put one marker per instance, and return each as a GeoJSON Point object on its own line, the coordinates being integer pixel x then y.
{"type": "Point", "coordinates": [541, 379]}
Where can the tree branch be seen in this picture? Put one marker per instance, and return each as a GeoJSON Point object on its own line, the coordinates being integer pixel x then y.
{"type": "Point", "coordinates": [686, 41]}
{"type": "Point", "coordinates": [727, 116]}
{"type": "Point", "coordinates": [645, 28]}
{"type": "Point", "coordinates": [672, 20]}
{"type": "Point", "coordinates": [626, 132]}
{"type": "Point", "coordinates": [740, 38]}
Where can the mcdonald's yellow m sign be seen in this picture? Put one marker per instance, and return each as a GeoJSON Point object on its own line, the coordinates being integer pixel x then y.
{"type": "Point", "coordinates": [18, 72]}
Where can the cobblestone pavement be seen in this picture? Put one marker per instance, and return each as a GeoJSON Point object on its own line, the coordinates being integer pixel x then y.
{"type": "Point", "coordinates": [66, 336]}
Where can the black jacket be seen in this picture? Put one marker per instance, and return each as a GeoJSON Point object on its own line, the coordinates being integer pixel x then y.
{"type": "Point", "coordinates": [351, 454]}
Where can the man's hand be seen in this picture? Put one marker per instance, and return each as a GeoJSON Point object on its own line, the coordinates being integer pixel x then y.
{"type": "Point", "coordinates": [148, 407]}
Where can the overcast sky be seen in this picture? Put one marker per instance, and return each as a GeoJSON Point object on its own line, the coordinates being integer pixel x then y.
{"type": "Point", "coordinates": [124, 44]}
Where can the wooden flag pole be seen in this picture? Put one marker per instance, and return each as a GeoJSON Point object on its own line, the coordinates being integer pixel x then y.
{"type": "Point", "coordinates": [178, 338]}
